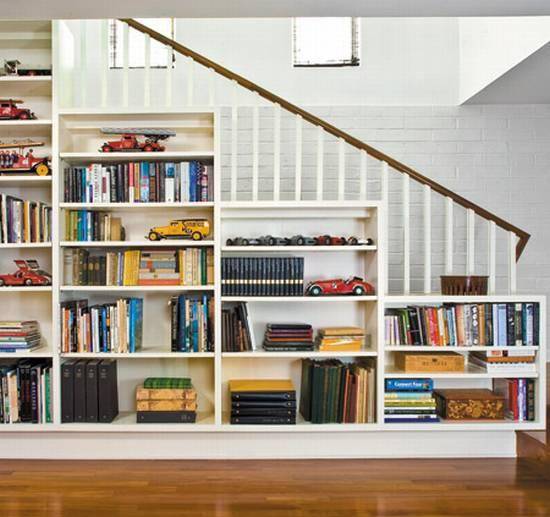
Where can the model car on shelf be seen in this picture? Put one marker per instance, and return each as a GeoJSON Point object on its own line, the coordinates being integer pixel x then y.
{"type": "Point", "coordinates": [242, 241]}
{"type": "Point", "coordinates": [14, 159]}
{"type": "Point", "coordinates": [12, 68]}
{"type": "Point", "coordinates": [129, 141]}
{"type": "Point", "coordinates": [338, 286]}
{"type": "Point", "coordinates": [301, 240]}
{"type": "Point", "coordinates": [10, 111]}
{"type": "Point", "coordinates": [195, 229]}
{"type": "Point", "coordinates": [358, 241]}
{"type": "Point", "coordinates": [28, 274]}
{"type": "Point", "coordinates": [329, 240]}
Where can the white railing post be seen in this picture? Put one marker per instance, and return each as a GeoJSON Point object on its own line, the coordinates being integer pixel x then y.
{"type": "Point", "coordinates": [234, 129]}
{"type": "Point", "coordinates": [255, 150]}
{"type": "Point", "coordinates": [512, 274]}
{"type": "Point", "coordinates": [83, 65]}
{"type": "Point", "coordinates": [190, 81]}
{"type": "Point", "coordinates": [276, 152]}
{"type": "Point", "coordinates": [298, 162]}
{"type": "Point", "coordinates": [147, 72]}
{"type": "Point", "coordinates": [125, 64]}
{"type": "Point", "coordinates": [363, 176]}
{"type": "Point", "coordinates": [384, 192]}
{"type": "Point", "coordinates": [320, 157]}
{"type": "Point", "coordinates": [211, 87]}
{"type": "Point", "coordinates": [427, 239]}
{"type": "Point", "coordinates": [406, 235]}
{"type": "Point", "coordinates": [168, 78]}
{"type": "Point", "coordinates": [492, 255]}
{"type": "Point", "coordinates": [449, 226]}
{"type": "Point", "coordinates": [104, 61]}
{"type": "Point", "coordinates": [470, 242]}
{"type": "Point", "coordinates": [341, 169]}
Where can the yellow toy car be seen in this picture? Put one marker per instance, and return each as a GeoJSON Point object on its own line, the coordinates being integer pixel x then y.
{"type": "Point", "coordinates": [195, 229]}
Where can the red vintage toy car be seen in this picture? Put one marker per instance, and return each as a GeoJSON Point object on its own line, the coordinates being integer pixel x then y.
{"type": "Point", "coordinates": [10, 111]}
{"type": "Point", "coordinates": [16, 161]}
{"type": "Point", "coordinates": [338, 286]}
{"type": "Point", "coordinates": [28, 274]}
{"type": "Point", "coordinates": [329, 240]}
{"type": "Point", "coordinates": [128, 142]}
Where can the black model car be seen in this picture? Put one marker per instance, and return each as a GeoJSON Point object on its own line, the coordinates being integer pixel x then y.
{"type": "Point", "coordinates": [242, 241]}
{"type": "Point", "coordinates": [301, 240]}
{"type": "Point", "coordinates": [269, 240]}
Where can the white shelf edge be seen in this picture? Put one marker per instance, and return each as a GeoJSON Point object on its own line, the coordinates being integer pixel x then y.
{"type": "Point", "coordinates": [143, 244]}
{"type": "Point", "coordinates": [26, 79]}
{"type": "Point", "coordinates": [409, 348]}
{"type": "Point", "coordinates": [31, 123]}
{"type": "Point", "coordinates": [138, 355]}
{"type": "Point", "coordinates": [314, 354]}
{"type": "Point", "coordinates": [440, 298]}
{"type": "Point", "coordinates": [256, 249]}
{"type": "Point", "coordinates": [134, 206]}
{"type": "Point", "coordinates": [262, 299]}
{"type": "Point", "coordinates": [30, 289]}
{"type": "Point", "coordinates": [165, 155]}
{"type": "Point", "coordinates": [136, 288]}
{"type": "Point", "coordinates": [229, 205]}
{"type": "Point", "coordinates": [13, 245]}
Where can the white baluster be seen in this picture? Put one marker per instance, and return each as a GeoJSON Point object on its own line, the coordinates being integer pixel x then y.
{"type": "Point", "coordinates": [363, 176]}
{"type": "Point", "coordinates": [125, 63]}
{"type": "Point", "coordinates": [211, 87]}
{"type": "Point", "coordinates": [320, 157]}
{"type": "Point", "coordinates": [427, 239]}
{"type": "Point", "coordinates": [147, 73]}
{"type": "Point", "coordinates": [406, 236]}
{"type": "Point", "coordinates": [234, 128]}
{"type": "Point", "coordinates": [83, 65]}
{"type": "Point", "coordinates": [168, 78]}
{"type": "Point", "coordinates": [255, 150]}
{"type": "Point", "coordinates": [341, 169]}
{"type": "Point", "coordinates": [277, 152]}
{"type": "Point", "coordinates": [470, 241]}
{"type": "Point", "coordinates": [104, 61]}
{"type": "Point", "coordinates": [298, 162]}
{"type": "Point", "coordinates": [449, 226]}
{"type": "Point", "coordinates": [492, 255]}
{"type": "Point", "coordinates": [512, 275]}
{"type": "Point", "coordinates": [190, 81]}
{"type": "Point", "coordinates": [384, 192]}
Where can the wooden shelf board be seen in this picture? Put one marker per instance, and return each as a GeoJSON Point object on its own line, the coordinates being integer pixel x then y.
{"type": "Point", "coordinates": [26, 245]}
{"type": "Point", "coordinates": [135, 206]}
{"type": "Point", "coordinates": [307, 299]}
{"type": "Point", "coordinates": [179, 243]}
{"type": "Point", "coordinates": [261, 354]}
{"type": "Point", "coordinates": [439, 299]}
{"type": "Point", "coordinates": [109, 157]}
{"type": "Point", "coordinates": [145, 353]}
{"type": "Point", "coordinates": [29, 289]}
{"type": "Point", "coordinates": [305, 249]}
{"type": "Point", "coordinates": [14, 180]}
{"type": "Point", "coordinates": [471, 372]}
{"type": "Point", "coordinates": [136, 288]}
{"type": "Point", "coordinates": [408, 348]}
{"type": "Point", "coordinates": [39, 352]}
{"type": "Point", "coordinates": [22, 123]}
{"type": "Point", "coordinates": [18, 79]}
{"type": "Point", "coordinates": [285, 205]}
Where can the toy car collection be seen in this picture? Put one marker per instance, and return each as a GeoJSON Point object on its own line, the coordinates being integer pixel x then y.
{"type": "Point", "coordinates": [195, 229]}
{"type": "Point", "coordinates": [129, 141]}
{"type": "Point", "coordinates": [300, 240]}
{"type": "Point", "coordinates": [17, 161]}
{"type": "Point", "coordinates": [10, 111]}
{"type": "Point", "coordinates": [338, 286]}
{"type": "Point", "coordinates": [27, 274]}
{"type": "Point", "coordinates": [12, 68]}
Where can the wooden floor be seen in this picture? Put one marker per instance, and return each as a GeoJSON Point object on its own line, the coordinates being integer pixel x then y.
{"type": "Point", "coordinates": [317, 488]}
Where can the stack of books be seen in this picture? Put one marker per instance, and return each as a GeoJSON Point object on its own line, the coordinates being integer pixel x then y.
{"type": "Point", "coordinates": [504, 360]}
{"type": "Point", "coordinates": [341, 339]}
{"type": "Point", "coordinates": [26, 392]}
{"type": "Point", "coordinates": [16, 336]}
{"type": "Point", "coordinates": [262, 401]}
{"type": "Point", "coordinates": [24, 221]}
{"type": "Point", "coordinates": [288, 337]}
{"type": "Point", "coordinates": [485, 324]}
{"type": "Point", "coordinates": [519, 395]}
{"type": "Point", "coordinates": [90, 225]}
{"type": "Point", "coordinates": [110, 327]}
{"type": "Point", "coordinates": [89, 391]}
{"type": "Point", "coordinates": [139, 182]}
{"type": "Point", "coordinates": [192, 324]}
{"type": "Point", "coordinates": [336, 392]}
{"type": "Point", "coordinates": [166, 400]}
{"type": "Point", "coordinates": [237, 335]}
{"type": "Point", "coordinates": [409, 401]}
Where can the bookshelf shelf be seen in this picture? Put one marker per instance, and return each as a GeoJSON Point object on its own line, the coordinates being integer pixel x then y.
{"type": "Point", "coordinates": [15, 180]}
{"type": "Point", "coordinates": [155, 156]}
{"type": "Point", "coordinates": [408, 348]}
{"type": "Point", "coordinates": [38, 353]}
{"type": "Point", "coordinates": [306, 299]}
{"type": "Point", "coordinates": [137, 288]}
{"type": "Point", "coordinates": [29, 289]}
{"type": "Point", "coordinates": [39, 123]}
{"type": "Point", "coordinates": [17, 245]}
{"type": "Point", "coordinates": [145, 353]}
{"type": "Point", "coordinates": [137, 244]}
{"type": "Point", "coordinates": [440, 299]}
{"type": "Point", "coordinates": [304, 249]}
{"type": "Point", "coordinates": [134, 206]}
{"type": "Point", "coordinates": [261, 354]}
{"type": "Point", "coordinates": [22, 79]}
{"type": "Point", "coordinates": [471, 372]}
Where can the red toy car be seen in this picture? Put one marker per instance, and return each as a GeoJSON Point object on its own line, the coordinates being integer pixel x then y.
{"type": "Point", "coordinates": [27, 274]}
{"type": "Point", "coordinates": [10, 111]}
{"type": "Point", "coordinates": [329, 240]}
{"type": "Point", "coordinates": [338, 286]}
{"type": "Point", "coordinates": [15, 161]}
{"type": "Point", "coordinates": [129, 142]}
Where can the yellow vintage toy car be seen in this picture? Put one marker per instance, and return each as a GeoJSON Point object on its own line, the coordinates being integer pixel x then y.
{"type": "Point", "coordinates": [195, 229]}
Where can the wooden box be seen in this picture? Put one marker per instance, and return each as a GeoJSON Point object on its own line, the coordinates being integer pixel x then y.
{"type": "Point", "coordinates": [423, 362]}
{"type": "Point", "coordinates": [469, 404]}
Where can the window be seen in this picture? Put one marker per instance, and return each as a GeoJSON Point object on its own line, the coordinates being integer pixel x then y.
{"type": "Point", "coordinates": [136, 44]}
{"type": "Point", "coordinates": [326, 41]}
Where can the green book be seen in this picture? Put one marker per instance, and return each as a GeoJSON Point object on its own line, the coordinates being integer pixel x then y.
{"type": "Point", "coordinates": [167, 382]}
{"type": "Point", "coordinates": [47, 396]}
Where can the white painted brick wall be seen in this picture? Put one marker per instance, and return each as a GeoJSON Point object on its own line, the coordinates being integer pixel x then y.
{"type": "Point", "coordinates": [497, 156]}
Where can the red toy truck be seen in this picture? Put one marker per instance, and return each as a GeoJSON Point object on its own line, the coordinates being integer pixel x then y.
{"type": "Point", "coordinates": [16, 161]}
{"type": "Point", "coordinates": [338, 286]}
{"type": "Point", "coordinates": [10, 111]}
{"type": "Point", "coordinates": [129, 142]}
{"type": "Point", "coordinates": [28, 274]}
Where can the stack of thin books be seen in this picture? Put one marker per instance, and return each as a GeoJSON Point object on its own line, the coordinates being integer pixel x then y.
{"type": "Point", "coordinates": [16, 336]}
{"type": "Point", "coordinates": [341, 339]}
{"type": "Point", "coordinates": [288, 337]}
{"type": "Point", "coordinates": [166, 400]}
{"type": "Point", "coordinates": [262, 401]}
{"type": "Point", "coordinates": [409, 401]}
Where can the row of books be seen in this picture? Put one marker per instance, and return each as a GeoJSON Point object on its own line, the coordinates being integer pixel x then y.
{"type": "Point", "coordinates": [26, 392]}
{"type": "Point", "coordinates": [89, 225]}
{"type": "Point", "coordinates": [486, 324]}
{"type": "Point", "coordinates": [166, 400]}
{"type": "Point", "coordinates": [262, 401]}
{"type": "Point", "coordinates": [519, 395]}
{"type": "Point", "coordinates": [409, 401]}
{"type": "Point", "coordinates": [18, 336]}
{"type": "Point", "coordinates": [237, 335]}
{"type": "Point", "coordinates": [295, 337]}
{"type": "Point", "coordinates": [89, 391]}
{"type": "Point", "coordinates": [23, 221]}
{"type": "Point", "coordinates": [139, 182]}
{"type": "Point", "coordinates": [262, 276]}
{"type": "Point", "coordinates": [192, 324]}
{"type": "Point", "coordinates": [108, 327]}
{"type": "Point", "coordinates": [186, 266]}
{"type": "Point", "coordinates": [337, 392]}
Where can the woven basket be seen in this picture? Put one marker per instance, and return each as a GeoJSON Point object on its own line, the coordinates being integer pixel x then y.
{"type": "Point", "coordinates": [464, 285]}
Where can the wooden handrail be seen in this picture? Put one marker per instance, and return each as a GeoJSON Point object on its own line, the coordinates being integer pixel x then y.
{"type": "Point", "coordinates": [522, 235]}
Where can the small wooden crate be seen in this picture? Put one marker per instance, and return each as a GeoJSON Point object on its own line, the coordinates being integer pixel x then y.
{"type": "Point", "coordinates": [425, 362]}
{"type": "Point", "coordinates": [469, 404]}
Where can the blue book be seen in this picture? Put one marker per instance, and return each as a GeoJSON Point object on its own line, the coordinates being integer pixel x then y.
{"type": "Point", "coordinates": [502, 325]}
{"type": "Point", "coordinates": [103, 322]}
{"type": "Point", "coordinates": [144, 182]}
{"type": "Point", "coordinates": [131, 325]}
{"type": "Point", "coordinates": [182, 325]}
{"type": "Point", "coordinates": [195, 326]}
{"type": "Point", "coordinates": [409, 384]}
{"type": "Point", "coordinates": [495, 325]}
{"type": "Point", "coordinates": [193, 180]}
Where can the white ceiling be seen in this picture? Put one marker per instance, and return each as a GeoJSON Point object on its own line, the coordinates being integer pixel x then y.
{"type": "Point", "coordinates": [55, 9]}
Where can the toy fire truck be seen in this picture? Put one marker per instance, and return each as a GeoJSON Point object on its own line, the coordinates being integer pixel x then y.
{"type": "Point", "coordinates": [10, 111]}
{"type": "Point", "coordinates": [14, 159]}
{"type": "Point", "coordinates": [129, 141]}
